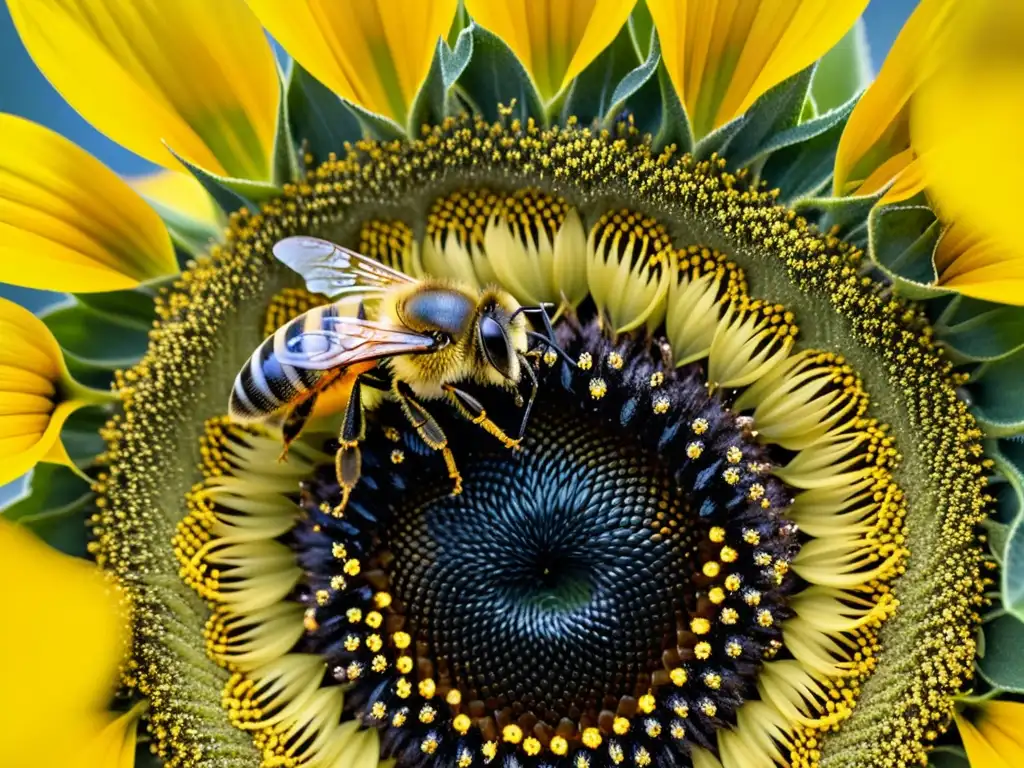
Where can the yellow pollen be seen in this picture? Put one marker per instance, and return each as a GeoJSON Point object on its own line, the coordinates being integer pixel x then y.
{"type": "Point", "coordinates": [403, 688]}
{"type": "Point", "coordinates": [729, 616]}
{"type": "Point", "coordinates": [585, 361]}
{"type": "Point", "coordinates": [677, 730]}
{"type": "Point", "coordinates": [309, 620]}
{"type": "Point", "coordinates": [379, 710]}
{"type": "Point", "coordinates": [550, 358]}
{"type": "Point", "coordinates": [374, 643]}
{"type": "Point", "coordinates": [734, 455]}
{"type": "Point", "coordinates": [700, 626]}
{"type": "Point", "coordinates": [702, 651]}
{"type": "Point", "coordinates": [751, 536]}
{"type": "Point", "coordinates": [462, 723]}
{"type": "Point", "coordinates": [338, 583]}
{"type": "Point", "coordinates": [559, 746]}
{"type": "Point", "coordinates": [373, 620]}
{"type": "Point", "coordinates": [531, 747]}
{"type": "Point", "coordinates": [427, 714]}
{"type": "Point", "coordinates": [647, 703]}
{"type": "Point", "coordinates": [716, 595]}
{"type": "Point", "coordinates": [398, 720]}
{"type": "Point", "coordinates": [678, 676]}
{"type": "Point", "coordinates": [661, 405]}
{"type": "Point", "coordinates": [713, 680]}
{"type": "Point", "coordinates": [752, 597]}
{"type": "Point", "coordinates": [621, 726]}
{"type": "Point", "coordinates": [379, 663]}
{"type": "Point", "coordinates": [354, 615]}
{"type": "Point", "coordinates": [427, 688]}
{"type": "Point", "coordinates": [354, 670]}
{"type": "Point", "coordinates": [397, 456]}
{"type": "Point", "coordinates": [765, 618]}
{"type": "Point", "coordinates": [728, 555]}
{"type": "Point", "coordinates": [513, 734]}
{"type": "Point", "coordinates": [707, 706]}
{"type": "Point", "coordinates": [429, 745]}
{"type": "Point", "coordinates": [598, 388]}
{"type": "Point", "coordinates": [653, 728]}
{"type": "Point", "coordinates": [711, 569]}
{"type": "Point", "coordinates": [731, 476]}
{"type": "Point", "coordinates": [642, 757]}
{"type": "Point", "coordinates": [732, 582]}
{"type": "Point", "coordinates": [392, 434]}
{"type": "Point", "coordinates": [339, 551]}
{"type": "Point", "coordinates": [681, 708]}
{"type": "Point", "coordinates": [352, 643]}
{"type": "Point", "coordinates": [699, 426]}
{"type": "Point", "coordinates": [717, 534]}
{"type": "Point", "coordinates": [382, 599]}
{"type": "Point", "coordinates": [733, 649]}
{"type": "Point", "coordinates": [762, 559]}
{"type": "Point", "coordinates": [352, 567]}
{"type": "Point", "coordinates": [322, 597]}
{"type": "Point", "coordinates": [657, 379]}
{"type": "Point", "coordinates": [695, 449]}
{"type": "Point", "coordinates": [615, 361]}
{"type": "Point", "coordinates": [489, 749]}
{"type": "Point", "coordinates": [404, 664]}
{"type": "Point", "coordinates": [401, 640]}
{"type": "Point", "coordinates": [592, 738]}
{"type": "Point", "coordinates": [756, 492]}
{"type": "Point", "coordinates": [454, 697]}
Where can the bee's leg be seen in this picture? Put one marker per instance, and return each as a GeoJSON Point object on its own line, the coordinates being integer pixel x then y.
{"type": "Point", "coordinates": [473, 410]}
{"type": "Point", "coordinates": [428, 429]}
{"type": "Point", "coordinates": [294, 422]}
{"type": "Point", "coordinates": [348, 461]}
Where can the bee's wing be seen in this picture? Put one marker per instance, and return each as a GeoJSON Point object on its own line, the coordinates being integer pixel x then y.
{"type": "Point", "coordinates": [336, 271]}
{"type": "Point", "coordinates": [345, 341]}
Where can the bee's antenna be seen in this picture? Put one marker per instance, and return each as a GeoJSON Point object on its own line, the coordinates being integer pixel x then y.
{"type": "Point", "coordinates": [548, 337]}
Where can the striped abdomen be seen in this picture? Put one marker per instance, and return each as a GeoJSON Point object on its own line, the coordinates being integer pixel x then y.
{"type": "Point", "coordinates": [265, 385]}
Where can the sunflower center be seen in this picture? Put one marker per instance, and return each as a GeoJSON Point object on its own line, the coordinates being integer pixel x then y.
{"type": "Point", "coordinates": [571, 556]}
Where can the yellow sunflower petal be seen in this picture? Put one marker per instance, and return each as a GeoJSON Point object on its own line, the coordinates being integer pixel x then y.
{"type": "Point", "coordinates": [67, 222]}
{"type": "Point", "coordinates": [374, 53]}
{"type": "Point", "coordinates": [555, 39]}
{"type": "Point", "coordinates": [32, 374]}
{"type": "Point", "coordinates": [179, 193]}
{"type": "Point", "coordinates": [114, 745]}
{"type": "Point", "coordinates": [722, 55]}
{"type": "Point", "coordinates": [49, 710]}
{"type": "Point", "coordinates": [995, 738]}
{"type": "Point", "coordinates": [878, 128]}
{"type": "Point", "coordinates": [199, 75]}
{"type": "Point", "coordinates": [965, 126]}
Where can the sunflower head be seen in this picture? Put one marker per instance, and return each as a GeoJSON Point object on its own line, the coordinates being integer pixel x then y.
{"type": "Point", "coordinates": [523, 400]}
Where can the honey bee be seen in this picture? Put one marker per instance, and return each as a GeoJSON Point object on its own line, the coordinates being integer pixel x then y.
{"type": "Point", "coordinates": [425, 337]}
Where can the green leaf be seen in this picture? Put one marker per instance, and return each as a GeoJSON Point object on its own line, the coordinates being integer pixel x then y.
{"type": "Point", "coordinates": [980, 331]}
{"type": "Point", "coordinates": [81, 435]}
{"type": "Point", "coordinates": [641, 26]}
{"type": "Point", "coordinates": [97, 338]}
{"type": "Point", "coordinates": [56, 508]}
{"type": "Point", "coordinates": [431, 104]}
{"type": "Point", "coordinates": [1003, 664]}
{"type": "Point", "coordinates": [901, 241]}
{"type": "Point", "coordinates": [999, 397]}
{"type": "Point", "coordinates": [801, 160]}
{"type": "Point", "coordinates": [638, 93]}
{"type": "Point", "coordinates": [229, 193]}
{"type": "Point", "coordinates": [320, 121]}
{"type": "Point", "coordinates": [776, 111]}
{"type": "Point", "coordinates": [134, 308]}
{"type": "Point", "coordinates": [496, 77]}
{"type": "Point", "coordinates": [595, 94]}
{"type": "Point", "coordinates": [376, 126]}
{"type": "Point", "coordinates": [844, 71]}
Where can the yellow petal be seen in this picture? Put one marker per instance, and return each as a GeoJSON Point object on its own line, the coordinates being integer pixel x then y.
{"type": "Point", "coordinates": [49, 709]}
{"type": "Point", "coordinates": [197, 74]}
{"type": "Point", "coordinates": [67, 222]}
{"type": "Point", "coordinates": [722, 55]}
{"type": "Point", "coordinates": [965, 125]}
{"type": "Point", "coordinates": [555, 39]}
{"type": "Point", "coordinates": [374, 53]}
{"type": "Point", "coordinates": [995, 738]}
{"type": "Point", "coordinates": [32, 374]}
{"type": "Point", "coordinates": [179, 193]}
{"type": "Point", "coordinates": [878, 128]}
{"type": "Point", "coordinates": [114, 745]}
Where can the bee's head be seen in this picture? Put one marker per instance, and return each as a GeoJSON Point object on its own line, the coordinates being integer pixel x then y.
{"type": "Point", "coordinates": [500, 338]}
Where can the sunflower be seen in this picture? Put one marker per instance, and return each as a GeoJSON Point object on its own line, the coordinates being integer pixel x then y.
{"type": "Point", "coordinates": [741, 487]}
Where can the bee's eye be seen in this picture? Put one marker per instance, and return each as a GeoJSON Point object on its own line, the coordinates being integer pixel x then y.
{"type": "Point", "coordinates": [495, 345]}
{"type": "Point", "coordinates": [441, 340]}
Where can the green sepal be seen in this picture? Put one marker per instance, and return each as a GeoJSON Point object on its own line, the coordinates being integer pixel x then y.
{"type": "Point", "coordinates": [133, 307]}
{"type": "Point", "coordinates": [81, 435]}
{"type": "Point", "coordinates": [97, 338]}
{"type": "Point", "coordinates": [742, 140]}
{"type": "Point", "coordinates": [999, 398]}
{"type": "Point", "coordinates": [287, 160]}
{"type": "Point", "coordinates": [901, 241]}
{"type": "Point", "coordinates": [496, 77]}
{"type": "Point", "coordinates": [1002, 664]}
{"type": "Point", "coordinates": [320, 122]}
{"type": "Point", "coordinates": [639, 92]}
{"type": "Point", "coordinates": [432, 103]}
{"type": "Point", "coordinates": [848, 214]}
{"type": "Point", "coordinates": [675, 125]}
{"type": "Point", "coordinates": [596, 94]}
{"type": "Point", "coordinates": [948, 757]}
{"type": "Point", "coordinates": [55, 508]}
{"type": "Point", "coordinates": [230, 194]}
{"type": "Point", "coordinates": [376, 126]}
{"type": "Point", "coordinates": [980, 331]}
{"type": "Point", "coordinates": [801, 160]}
{"type": "Point", "coordinates": [844, 71]}
{"type": "Point", "coordinates": [188, 235]}
{"type": "Point", "coordinates": [1008, 456]}
{"type": "Point", "coordinates": [641, 26]}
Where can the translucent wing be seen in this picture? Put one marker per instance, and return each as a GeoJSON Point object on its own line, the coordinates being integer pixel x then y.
{"type": "Point", "coordinates": [335, 271]}
{"type": "Point", "coordinates": [345, 341]}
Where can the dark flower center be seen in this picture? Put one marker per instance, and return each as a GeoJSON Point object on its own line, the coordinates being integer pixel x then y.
{"type": "Point", "coordinates": [619, 578]}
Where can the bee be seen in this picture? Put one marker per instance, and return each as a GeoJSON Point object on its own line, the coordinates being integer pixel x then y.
{"type": "Point", "coordinates": [424, 338]}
